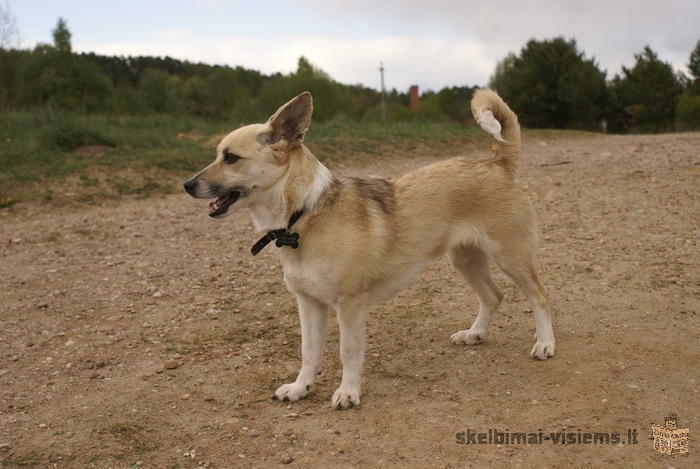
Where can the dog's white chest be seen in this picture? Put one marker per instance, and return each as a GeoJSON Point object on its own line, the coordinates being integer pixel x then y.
{"type": "Point", "coordinates": [306, 281]}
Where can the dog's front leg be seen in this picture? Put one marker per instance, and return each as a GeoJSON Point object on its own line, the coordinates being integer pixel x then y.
{"type": "Point", "coordinates": [351, 320]}
{"type": "Point", "coordinates": [313, 317]}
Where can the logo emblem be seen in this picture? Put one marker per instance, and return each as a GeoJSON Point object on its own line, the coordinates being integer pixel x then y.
{"type": "Point", "coordinates": [669, 439]}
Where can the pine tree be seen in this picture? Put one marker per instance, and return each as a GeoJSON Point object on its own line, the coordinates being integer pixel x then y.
{"type": "Point", "coordinates": [552, 84]}
{"type": "Point", "coordinates": [649, 91]}
{"type": "Point", "coordinates": [61, 36]}
{"type": "Point", "coordinates": [688, 108]}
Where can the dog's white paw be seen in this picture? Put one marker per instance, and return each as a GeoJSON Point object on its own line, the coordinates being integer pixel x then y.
{"type": "Point", "coordinates": [291, 392]}
{"type": "Point", "coordinates": [346, 398]}
{"type": "Point", "coordinates": [468, 337]}
{"type": "Point", "coordinates": [543, 349]}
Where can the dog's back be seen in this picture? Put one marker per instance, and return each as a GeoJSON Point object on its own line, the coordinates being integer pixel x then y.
{"type": "Point", "coordinates": [382, 234]}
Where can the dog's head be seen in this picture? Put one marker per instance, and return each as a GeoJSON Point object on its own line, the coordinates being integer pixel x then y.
{"type": "Point", "coordinates": [251, 160]}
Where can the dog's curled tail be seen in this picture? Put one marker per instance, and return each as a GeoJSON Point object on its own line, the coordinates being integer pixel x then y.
{"type": "Point", "coordinates": [496, 118]}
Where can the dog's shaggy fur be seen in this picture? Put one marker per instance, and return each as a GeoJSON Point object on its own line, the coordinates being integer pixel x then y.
{"type": "Point", "coordinates": [363, 240]}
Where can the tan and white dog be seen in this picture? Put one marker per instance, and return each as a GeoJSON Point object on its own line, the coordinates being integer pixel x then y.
{"type": "Point", "coordinates": [359, 241]}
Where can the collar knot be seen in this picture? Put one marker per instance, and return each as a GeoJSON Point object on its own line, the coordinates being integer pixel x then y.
{"type": "Point", "coordinates": [282, 236]}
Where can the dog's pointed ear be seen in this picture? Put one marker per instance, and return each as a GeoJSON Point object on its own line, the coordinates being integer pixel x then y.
{"type": "Point", "coordinates": [291, 121]}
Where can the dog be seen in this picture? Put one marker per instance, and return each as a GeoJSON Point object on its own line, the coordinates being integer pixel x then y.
{"type": "Point", "coordinates": [347, 243]}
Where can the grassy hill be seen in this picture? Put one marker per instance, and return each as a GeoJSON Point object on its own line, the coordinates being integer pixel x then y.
{"type": "Point", "coordinates": [75, 158]}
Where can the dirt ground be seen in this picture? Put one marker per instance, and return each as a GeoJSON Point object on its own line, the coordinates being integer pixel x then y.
{"type": "Point", "coordinates": [142, 334]}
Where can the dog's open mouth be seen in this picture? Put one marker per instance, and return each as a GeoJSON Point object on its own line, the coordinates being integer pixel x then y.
{"type": "Point", "coordinates": [221, 205]}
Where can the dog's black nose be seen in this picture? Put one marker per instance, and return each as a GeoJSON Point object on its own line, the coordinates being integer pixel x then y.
{"type": "Point", "coordinates": [190, 186]}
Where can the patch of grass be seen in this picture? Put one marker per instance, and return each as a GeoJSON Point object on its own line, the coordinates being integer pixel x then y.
{"type": "Point", "coordinates": [146, 155]}
{"type": "Point", "coordinates": [87, 181]}
{"type": "Point", "coordinates": [70, 133]}
{"type": "Point", "coordinates": [36, 149]}
{"type": "Point", "coordinates": [362, 142]}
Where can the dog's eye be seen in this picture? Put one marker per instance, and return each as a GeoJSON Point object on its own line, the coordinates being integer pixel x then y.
{"type": "Point", "coordinates": [230, 158]}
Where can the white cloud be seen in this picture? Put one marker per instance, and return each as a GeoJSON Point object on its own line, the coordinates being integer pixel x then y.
{"type": "Point", "coordinates": [173, 34]}
{"type": "Point", "coordinates": [611, 30]}
{"type": "Point", "coordinates": [212, 2]}
{"type": "Point", "coordinates": [433, 44]}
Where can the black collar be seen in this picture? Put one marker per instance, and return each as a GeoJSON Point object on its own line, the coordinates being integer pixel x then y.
{"type": "Point", "coordinates": [283, 236]}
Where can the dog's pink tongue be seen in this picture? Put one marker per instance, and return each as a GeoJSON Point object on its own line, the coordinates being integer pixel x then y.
{"type": "Point", "coordinates": [213, 206]}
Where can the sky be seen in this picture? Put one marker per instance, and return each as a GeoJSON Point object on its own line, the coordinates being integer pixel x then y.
{"type": "Point", "coordinates": [432, 43]}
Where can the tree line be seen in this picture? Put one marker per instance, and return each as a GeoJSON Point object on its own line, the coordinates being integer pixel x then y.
{"type": "Point", "coordinates": [549, 83]}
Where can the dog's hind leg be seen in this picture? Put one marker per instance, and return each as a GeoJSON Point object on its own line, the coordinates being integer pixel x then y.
{"type": "Point", "coordinates": [518, 261]}
{"type": "Point", "coordinates": [473, 264]}
{"type": "Point", "coordinates": [313, 317]}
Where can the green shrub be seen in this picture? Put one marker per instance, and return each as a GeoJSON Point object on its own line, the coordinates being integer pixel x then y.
{"type": "Point", "coordinates": [688, 112]}
{"type": "Point", "coordinates": [69, 134]}
{"type": "Point", "coordinates": [394, 112]}
{"type": "Point", "coordinates": [429, 110]}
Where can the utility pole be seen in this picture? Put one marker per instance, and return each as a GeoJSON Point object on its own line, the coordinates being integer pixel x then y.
{"type": "Point", "coordinates": [381, 72]}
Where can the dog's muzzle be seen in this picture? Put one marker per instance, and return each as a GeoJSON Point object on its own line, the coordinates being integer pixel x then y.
{"type": "Point", "coordinates": [224, 198]}
{"type": "Point", "coordinates": [191, 187]}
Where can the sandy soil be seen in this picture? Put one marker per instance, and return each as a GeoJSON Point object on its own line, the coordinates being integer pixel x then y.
{"type": "Point", "coordinates": [141, 333]}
